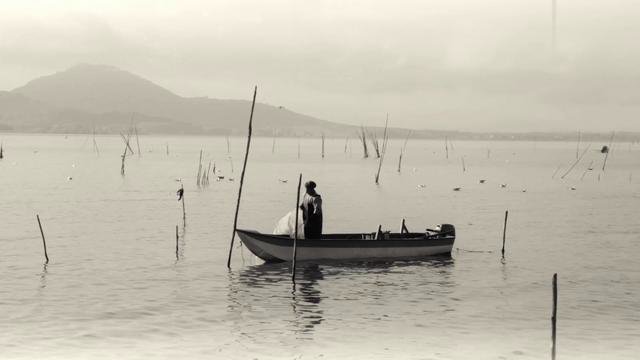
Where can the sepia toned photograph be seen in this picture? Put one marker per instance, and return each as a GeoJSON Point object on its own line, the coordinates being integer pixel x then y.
{"type": "Point", "coordinates": [294, 179]}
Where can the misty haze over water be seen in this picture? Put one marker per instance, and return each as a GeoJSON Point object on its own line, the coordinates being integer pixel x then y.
{"type": "Point", "coordinates": [125, 138]}
{"type": "Point", "coordinates": [456, 65]}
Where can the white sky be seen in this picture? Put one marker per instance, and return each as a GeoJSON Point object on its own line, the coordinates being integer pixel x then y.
{"type": "Point", "coordinates": [449, 64]}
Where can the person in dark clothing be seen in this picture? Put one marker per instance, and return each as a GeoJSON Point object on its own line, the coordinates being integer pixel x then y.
{"type": "Point", "coordinates": [312, 211]}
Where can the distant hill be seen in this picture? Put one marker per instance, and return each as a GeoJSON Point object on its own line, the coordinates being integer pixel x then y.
{"type": "Point", "coordinates": [108, 99]}
{"type": "Point", "coordinates": [84, 95]}
{"type": "Point", "coordinates": [22, 114]}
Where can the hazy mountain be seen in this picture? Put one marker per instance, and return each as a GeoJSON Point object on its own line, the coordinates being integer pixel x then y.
{"type": "Point", "coordinates": [111, 93]}
{"type": "Point", "coordinates": [107, 99]}
{"type": "Point", "coordinates": [23, 114]}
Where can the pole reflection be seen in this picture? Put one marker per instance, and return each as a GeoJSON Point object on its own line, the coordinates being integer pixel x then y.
{"type": "Point", "coordinates": [260, 295]}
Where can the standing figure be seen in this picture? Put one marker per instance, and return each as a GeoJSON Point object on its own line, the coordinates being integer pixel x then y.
{"type": "Point", "coordinates": [312, 212]}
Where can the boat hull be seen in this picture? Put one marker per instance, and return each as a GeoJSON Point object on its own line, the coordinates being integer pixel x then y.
{"type": "Point", "coordinates": [277, 248]}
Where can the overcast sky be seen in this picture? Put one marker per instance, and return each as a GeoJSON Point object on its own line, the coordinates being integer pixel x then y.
{"type": "Point", "coordinates": [484, 65]}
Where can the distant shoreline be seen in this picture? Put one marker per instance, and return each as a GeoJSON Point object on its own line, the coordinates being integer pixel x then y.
{"type": "Point", "coordinates": [395, 133]}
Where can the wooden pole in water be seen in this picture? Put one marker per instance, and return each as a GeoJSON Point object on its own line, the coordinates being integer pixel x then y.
{"type": "Point", "coordinates": [383, 150]}
{"type": "Point", "coordinates": [2, 151]}
{"type": "Point", "coordinates": [402, 150]}
{"type": "Point", "coordinates": [135, 128]}
{"type": "Point", "coordinates": [554, 316]}
{"type": "Point", "coordinates": [126, 141]}
{"type": "Point", "coordinates": [406, 141]}
{"type": "Point", "coordinates": [576, 162]}
{"type": "Point", "coordinates": [167, 149]}
{"type": "Point", "coordinates": [295, 232]}
{"type": "Point", "coordinates": [464, 168]}
{"type": "Point", "coordinates": [323, 145]}
{"type": "Point", "coordinates": [446, 147]}
{"type": "Point", "coordinates": [504, 231]}
{"type": "Point", "coordinates": [363, 138]}
{"type": "Point", "coordinates": [44, 242]}
{"type": "Point", "coordinates": [298, 148]}
{"type": "Point", "coordinates": [177, 237]}
{"type": "Point", "coordinates": [184, 213]}
{"type": "Point", "coordinates": [244, 167]}
{"type": "Point", "coordinates": [228, 147]}
{"type": "Point", "coordinates": [208, 172]}
{"type": "Point", "coordinates": [375, 143]}
{"type": "Point", "coordinates": [199, 169]}
{"type": "Point", "coordinates": [123, 156]}
{"type": "Point", "coordinates": [124, 153]}
{"type": "Point", "coordinates": [95, 144]}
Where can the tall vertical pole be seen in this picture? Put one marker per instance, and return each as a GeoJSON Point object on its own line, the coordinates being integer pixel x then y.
{"type": "Point", "coordinates": [124, 154]}
{"type": "Point", "coordinates": [177, 248]}
{"type": "Point", "coordinates": [504, 231]}
{"type": "Point", "coordinates": [383, 150]}
{"type": "Point", "coordinates": [553, 316]}
{"type": "Point", "coordinates": [135, 128]}
{"type": "Point", "coordinates": [199, 169]}
{"type": "Point", "coordinates": [244, 167]}
{"type": "Point", "coordinates": [184, 212]}
{"type": "Point", "coordinates": [44, 243]}
{"type": "Point", "coordinates": [295, 232]}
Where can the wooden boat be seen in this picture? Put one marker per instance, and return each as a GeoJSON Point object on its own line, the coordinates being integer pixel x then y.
{"type": "Point", "coordinates": [356, 246]}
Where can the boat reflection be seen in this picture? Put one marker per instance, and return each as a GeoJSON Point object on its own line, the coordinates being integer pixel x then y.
{"type": "Point", "coordinates": [305, 300]}
{"type": "Point", "coordinates": [254, 289]}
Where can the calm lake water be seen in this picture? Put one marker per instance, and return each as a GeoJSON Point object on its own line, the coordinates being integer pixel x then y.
{"type": "Point", "coordinates": [114, 289]}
